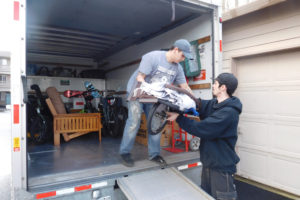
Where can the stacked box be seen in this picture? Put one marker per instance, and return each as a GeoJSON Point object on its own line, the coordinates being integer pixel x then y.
{"type": "Point", "coordinates": [166, 136]}
{"type": "Point", "coordinates": [142, 135]}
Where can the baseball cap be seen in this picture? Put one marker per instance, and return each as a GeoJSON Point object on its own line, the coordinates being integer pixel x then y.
{"type": "Point", "coordinates": [185, 47]}
{"type": "Point", "coordinates": [229, 80]}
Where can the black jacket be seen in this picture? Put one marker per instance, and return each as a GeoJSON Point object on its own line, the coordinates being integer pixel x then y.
{"type": "Point", "coordinates": [218, 132]}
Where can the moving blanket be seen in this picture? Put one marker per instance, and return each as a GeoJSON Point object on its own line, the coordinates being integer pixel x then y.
{"type": "Point", "coordinates": [160, 91]}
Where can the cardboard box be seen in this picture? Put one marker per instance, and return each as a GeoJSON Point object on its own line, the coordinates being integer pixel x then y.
{"type": "Point", "coordinates": [142, 135]}
{"type": "Point", "coordinates": [165, 140]}
{"type": "Point", "coordinates": [143, 122]}
{"type": "Point", "coordinates": [166, 136]}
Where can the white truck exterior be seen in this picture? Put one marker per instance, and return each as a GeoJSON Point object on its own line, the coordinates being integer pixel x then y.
{"type": "Point", "coordinates": [13, 49]}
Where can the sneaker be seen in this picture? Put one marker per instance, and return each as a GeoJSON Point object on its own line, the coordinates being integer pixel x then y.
{"type": "Point", "coordinates": [127, 160]}
{"type": "Point", "coordinates": [159, 160]}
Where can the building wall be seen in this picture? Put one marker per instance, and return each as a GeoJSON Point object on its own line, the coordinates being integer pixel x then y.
{"type": "Point", "coordinates": [268, 30]}
{"type": "Point", "coordinates": [263, 50]}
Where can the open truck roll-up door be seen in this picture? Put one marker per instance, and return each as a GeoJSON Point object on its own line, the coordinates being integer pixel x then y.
{"type": "Point", "coordinates": [161, 184]}
{"type": "Point", "coordinates": [60, 33]}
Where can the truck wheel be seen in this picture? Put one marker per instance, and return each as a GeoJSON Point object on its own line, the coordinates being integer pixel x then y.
{"type": "Point", "coordinates": [194, 144]}
{"type": "Point", "coordinates": [157, 118]}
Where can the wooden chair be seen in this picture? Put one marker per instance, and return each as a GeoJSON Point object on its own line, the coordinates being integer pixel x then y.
{"type": "Point", "coordinates": [70, 125]}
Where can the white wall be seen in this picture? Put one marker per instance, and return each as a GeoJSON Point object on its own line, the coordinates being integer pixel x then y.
{"type": "Point", "coordinates": [193, 30]}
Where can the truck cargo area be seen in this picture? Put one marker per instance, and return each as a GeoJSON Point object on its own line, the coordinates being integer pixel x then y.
{"type": "Point", "coordinates": [108, 37]}
{"type": "Point", "coordinates": [84, 159]}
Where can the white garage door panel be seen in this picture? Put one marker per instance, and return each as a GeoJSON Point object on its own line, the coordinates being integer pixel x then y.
{"type": "Point", "coordinates": [287, 103]}
{"type": "Point", "coordinates": [285, 66]}
{"type": "Point", "coordinates": [279, 67]}
{"type": "Point", "coordinates": [255, 100]}
{"type": "Point", "coordinates": [285, 179]}
{"type": "Point", "coordinates": [253, 133]}
{"type": "Point", "coordinates": [269, 129]}
{"type": "Point", "coordinates": [255, 70]}
{"type": "Point", "coordinates": [253, 164]}
{"type": "Point", "coordinates": [287, 138]}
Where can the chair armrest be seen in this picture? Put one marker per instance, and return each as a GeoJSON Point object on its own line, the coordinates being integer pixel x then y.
{"type": "Point", "coordinates": [77, 115]}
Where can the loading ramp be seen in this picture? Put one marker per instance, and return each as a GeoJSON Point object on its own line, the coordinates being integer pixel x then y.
{"type": "Point", "coordinates": [161, 184]}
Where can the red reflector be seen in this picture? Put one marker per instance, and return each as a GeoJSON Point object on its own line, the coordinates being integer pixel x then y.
{"type": "Point", "coordinates": [84, 187]}
{"type": "Point", "coordinates": [16, 114]}
{"type": "Point", "coordinates": [220, 45]}
{"type": "Point", "coordinates": [16, 10]}
{"type": "Point", "coordinates": [192, 165]}
{"type": "Point", "coordinates": [79, 103]}
{"type": "Point", "coordinates": [220, 20]}
{"type": "Point", "coordinates": [45, 195]}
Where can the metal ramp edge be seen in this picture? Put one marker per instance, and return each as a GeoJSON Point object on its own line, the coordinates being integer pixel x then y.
{"type": "Point", "coordinates": [161, 184]}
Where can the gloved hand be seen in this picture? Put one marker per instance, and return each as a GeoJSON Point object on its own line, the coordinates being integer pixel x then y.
{"type": "Point", "coordinates": [192, 110]}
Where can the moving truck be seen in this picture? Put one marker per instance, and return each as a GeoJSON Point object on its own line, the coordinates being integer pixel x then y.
{"type": "Point", "coordinates": [104, 42]}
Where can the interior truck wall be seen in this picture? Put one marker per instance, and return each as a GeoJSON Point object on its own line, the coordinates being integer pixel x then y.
{"type": "Point", "coordinates": [75, 84]}
{"type": "Point", "coordinates": [35, 57]}
{"type": "Point", "coordinates": [52, 61]}
{"type": "Point", "coordinates": [263, 50]}
{"type": "Point", "coordinates": [193, 30]}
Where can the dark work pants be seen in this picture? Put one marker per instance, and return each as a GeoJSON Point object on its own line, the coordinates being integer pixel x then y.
{"type": "Point", "coordinates": [218, 184]}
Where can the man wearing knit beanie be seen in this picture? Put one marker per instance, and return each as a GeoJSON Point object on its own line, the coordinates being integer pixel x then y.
{"type": "Point", "coordinates": [217, 130]}
{"type": "Point", "coordinates": [229, 80]}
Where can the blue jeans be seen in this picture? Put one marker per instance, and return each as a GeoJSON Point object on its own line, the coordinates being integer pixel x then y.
{"type": "Point", "coordinates": [218, 184]}
{"type": "Point", "coordinates": [132, 126]}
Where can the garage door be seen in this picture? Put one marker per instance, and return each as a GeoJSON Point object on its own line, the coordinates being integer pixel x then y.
{"type": "Point", "coordinates": [269, 128]}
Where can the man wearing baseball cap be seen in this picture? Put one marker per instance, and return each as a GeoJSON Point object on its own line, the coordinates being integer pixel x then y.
{"type": "Point", "coordinates": [155, 66]}
{"type": "Point", "coordinates": [217, 130]}
{"type": "Point", "coordinates": [184, 46]}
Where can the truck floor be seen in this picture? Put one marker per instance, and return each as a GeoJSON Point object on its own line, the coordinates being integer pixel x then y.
{"type": "Point", "coordinates": [85, 159]}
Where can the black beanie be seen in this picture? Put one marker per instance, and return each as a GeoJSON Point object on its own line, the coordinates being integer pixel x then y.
{"type": "Point", "coordinates": [229, 80]}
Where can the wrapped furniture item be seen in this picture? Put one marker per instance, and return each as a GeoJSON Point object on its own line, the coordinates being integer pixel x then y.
{"type": "Point", "coordinates": [70, 125]}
